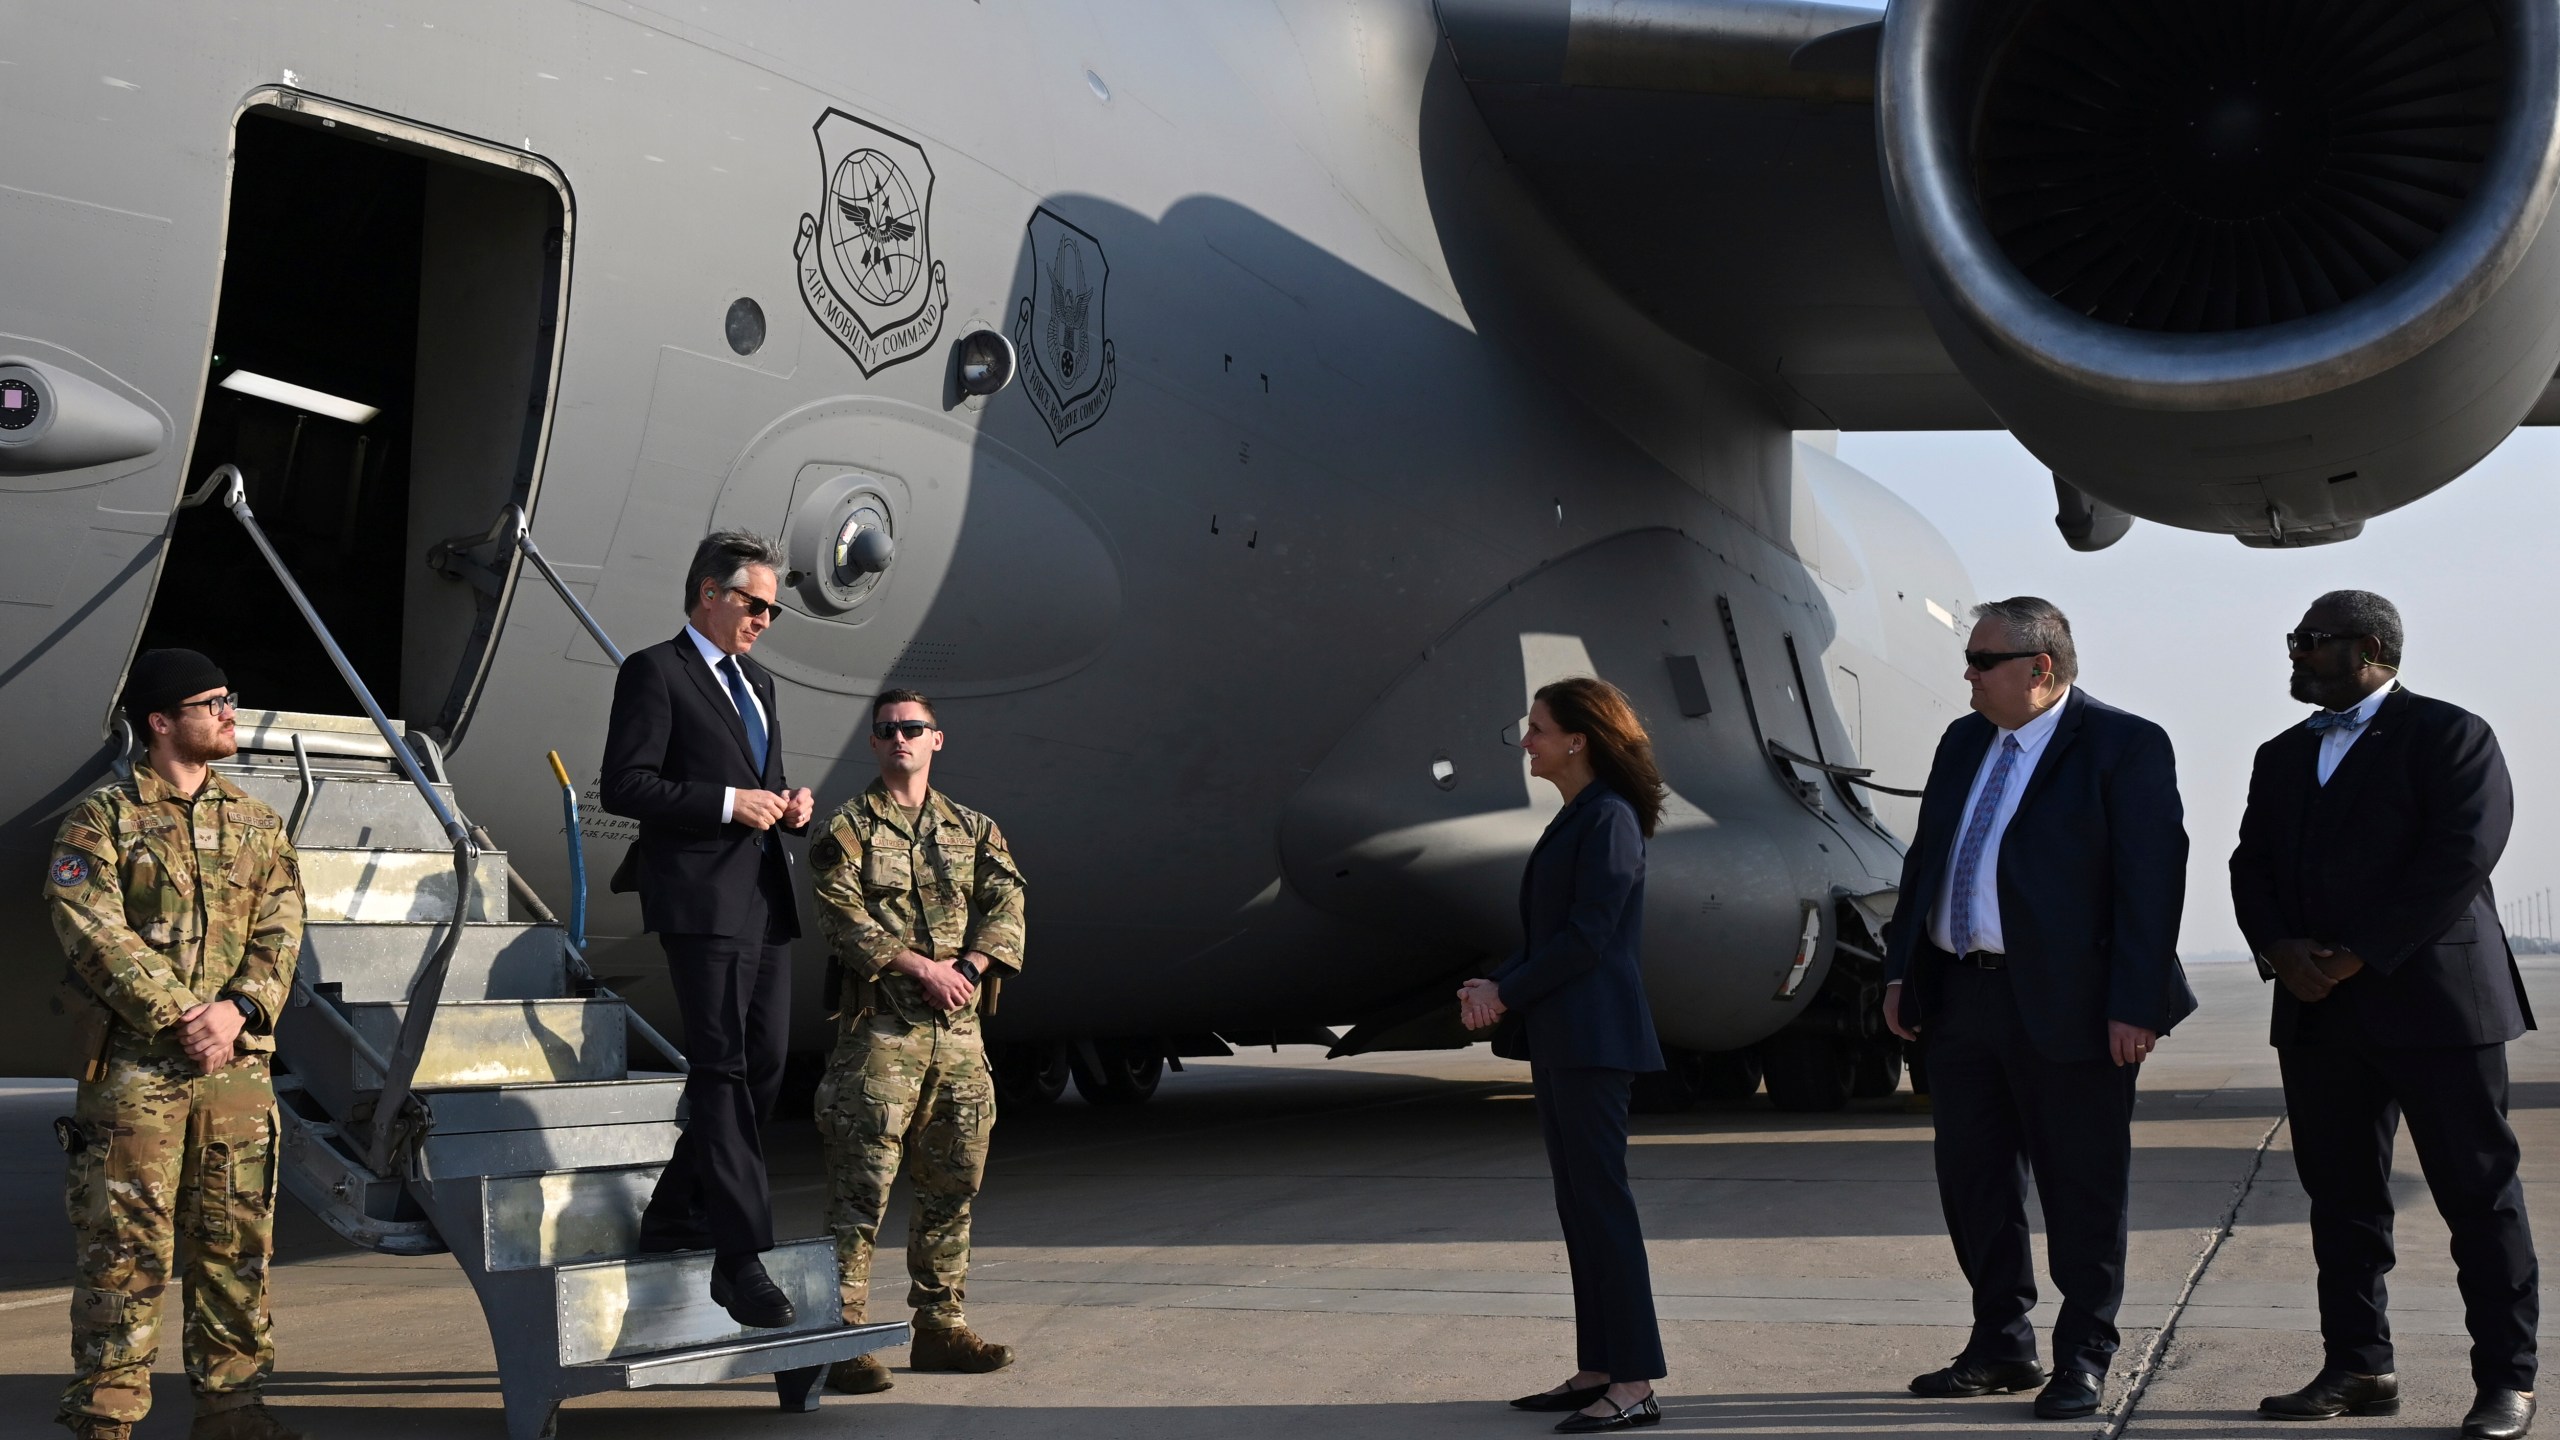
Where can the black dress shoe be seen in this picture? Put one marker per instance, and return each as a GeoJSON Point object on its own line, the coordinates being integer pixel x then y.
{"type": "Point", "coordinates": [1647, 1411]}
{"type": "Point", "coordinates": [749, 1295]}
{"type": "Point", "coordinates": [1561, 1399]}
{"type": "Point", "coordinates": [2498, 1415]}
{"type": "Point", "coordinates": [1967, 1378]}
{"type": "Point", "coordinates": [670, 1242]}
{"type": "Point", "coordinates": [2069, 1395]}
{"type": "Point", "coordinates": [2333, 1393]}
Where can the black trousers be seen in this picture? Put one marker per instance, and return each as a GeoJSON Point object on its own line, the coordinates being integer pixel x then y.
{"type": "Point", "coordinates": [1583, 1114]}
{"type": "Point", "coordinates": [734, 993]}
{"type": "Point", "coordinates": [2003, 1110]}
{"type": "Point", "coordinates": [2346, 1097]}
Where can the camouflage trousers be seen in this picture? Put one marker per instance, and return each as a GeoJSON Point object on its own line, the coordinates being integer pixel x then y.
{"type": "Point", "coordinates": [175, 1167]}
{"type": "Point", "coordinates": [918, 1097]}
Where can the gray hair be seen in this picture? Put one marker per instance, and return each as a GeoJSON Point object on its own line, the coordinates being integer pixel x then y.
{"type": "Point", "coordinates": [2362, 612]}
{"type": "Point", "coordinates": [724, 557]}
{"type": "Point", "coordinates": [2036, 625]}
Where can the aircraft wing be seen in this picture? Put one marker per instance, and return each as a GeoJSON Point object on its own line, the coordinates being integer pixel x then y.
{"type": "Point", "coordinates": [1717, 160]}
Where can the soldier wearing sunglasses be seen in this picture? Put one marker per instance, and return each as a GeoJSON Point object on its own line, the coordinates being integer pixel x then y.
{"type": "Point", "coordinates": [922, 908]}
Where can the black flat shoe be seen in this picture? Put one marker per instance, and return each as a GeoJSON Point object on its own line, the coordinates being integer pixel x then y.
{"type": "Point", "coordinates": [2333, 1393]}
{"type": "Point", "coordinates": [1967, 1378]}
{"type": "Point", "coordinates": [2069, 1395]}
{"type": "Point", "coordinates": [1560, 1399]}
{"type": "Point", "coordinates": [2498, 1415]}
{"type": "Point", "coordinates": [1647, 1411]}
{"type": "Point", "coordinates": [750, 1296]}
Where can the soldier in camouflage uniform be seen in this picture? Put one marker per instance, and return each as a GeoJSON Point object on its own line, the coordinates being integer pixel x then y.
{"type": "Point", "coordinates": [922, 908]}
{"type": "Point", "coordinates": [178, 901]}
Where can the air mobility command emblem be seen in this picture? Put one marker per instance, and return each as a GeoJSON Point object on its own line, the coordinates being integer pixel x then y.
{"type": "Point", "coordinates": [866, 262]}
{"type": "Point", "coordinates": [1057, 328]}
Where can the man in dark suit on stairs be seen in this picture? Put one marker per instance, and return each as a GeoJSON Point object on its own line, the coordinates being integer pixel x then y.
{"type": "Point", "coordinates": [2036, 939]}
{"type": "Point", "coordinates": [2362, 882]}
{"type": "Point", "coordinates": [694, 753]}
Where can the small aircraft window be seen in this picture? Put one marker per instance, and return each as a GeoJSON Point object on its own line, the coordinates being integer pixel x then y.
{"type": "Point", "coordinates": [745, 326]}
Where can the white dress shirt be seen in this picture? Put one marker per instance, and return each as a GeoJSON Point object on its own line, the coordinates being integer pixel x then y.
{"type": "Point", "coordinates": [2337, 741]}
{"type": "Point", "coordinates": [2032, 739]}
{"type": "Point", "coordinates": [712, 655]}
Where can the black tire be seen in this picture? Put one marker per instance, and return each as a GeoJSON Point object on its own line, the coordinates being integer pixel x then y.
{"type": "Point", "coordinates": [1116, 1072]}
{"type": "Point", "coordinates": [1807, 1072]}
{"type": "Point", "coordinates": [1879, 1069]}
{"type": "Point", "coordinates": [1672, 1089]}
{"type": "Point", "coordinates": [1728, 1075]}
{"type": "Point", "coordinates": [1030, 1074]}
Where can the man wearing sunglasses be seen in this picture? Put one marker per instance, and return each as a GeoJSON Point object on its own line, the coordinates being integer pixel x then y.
{"type": "Point", "coordinates": [178, 900]}
{"type": "Point", "coordinates": [921, 904]}
{"type": "Point", "coordinates": [2036, 943]}
{"type": "Point", "coordinates": [694, 753]}
{"type": "Point", "coordinates": [2362, 882]}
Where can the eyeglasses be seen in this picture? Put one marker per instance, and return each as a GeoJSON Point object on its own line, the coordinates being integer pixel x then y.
{"type": "Point", "coordinates": [911, 729]}
{"type": "Point", "coordinates": [2311, 639]}
{"type": "Point", "coordinates": [1988, 659]}
{"type": "Point", "coordinates": [756, 605]}
{"type": "Point", "coordinates": [213, 704]}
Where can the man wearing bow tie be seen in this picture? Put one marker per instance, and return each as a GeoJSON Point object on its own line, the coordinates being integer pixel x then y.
{"type": "Point", "coordinates": [2362, 882]}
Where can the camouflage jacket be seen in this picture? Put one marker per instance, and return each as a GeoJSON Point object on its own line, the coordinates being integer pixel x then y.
{"type": "Point", "coordinates": [947, 888]}
{"type": "Point", "coordinates": [161, 902]}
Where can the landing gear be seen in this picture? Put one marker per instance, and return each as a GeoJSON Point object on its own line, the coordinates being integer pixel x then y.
{"type": "Point", "coordinates": [1808, 1070]}
{"type": "Point", "coordinates": [1879, 1069]}
{"type": "Point", "coordinates": [1116, 1072]}
{"type": "Point", "coordinates": [1680, 1084]}
{"type": "Point", "coordinates": [1030, 1074]}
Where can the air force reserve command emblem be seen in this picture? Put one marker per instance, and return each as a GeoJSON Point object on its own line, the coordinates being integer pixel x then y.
{"type": "Point", "coordinates": [866, 258]}
{"type": "Point", "coordinates": [1058, 328]}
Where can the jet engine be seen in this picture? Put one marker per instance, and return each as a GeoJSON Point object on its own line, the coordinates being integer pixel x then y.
{"type": "Point", "coordinates": [2261, 266]}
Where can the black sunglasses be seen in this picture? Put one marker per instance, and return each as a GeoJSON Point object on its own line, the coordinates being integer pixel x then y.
{"type": "Point", "coordinates": [1986, 659]}
{"type": "Point", "coordinates": [756, 605]}
{"type": "Point", "coordinates": [2311, 639]}
{"type": "Point", "coordinates": [912, 729]}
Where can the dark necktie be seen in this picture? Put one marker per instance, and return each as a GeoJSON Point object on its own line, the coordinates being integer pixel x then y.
{"type": "Point", "coordinates": [746, 709]}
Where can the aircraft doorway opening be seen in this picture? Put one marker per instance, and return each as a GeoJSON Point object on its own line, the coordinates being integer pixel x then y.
{"type": "Point", "coordinates": [383, 362]}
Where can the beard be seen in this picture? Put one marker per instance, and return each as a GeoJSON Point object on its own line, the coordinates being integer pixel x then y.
{"type": "Point", "coordinates": [2323, 691]}
{"type": "Point", "coordinates": [220, 745]}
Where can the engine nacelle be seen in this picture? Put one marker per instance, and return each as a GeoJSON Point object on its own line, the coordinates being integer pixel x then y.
{"type": "Point", "coordinates": [2255, 267]}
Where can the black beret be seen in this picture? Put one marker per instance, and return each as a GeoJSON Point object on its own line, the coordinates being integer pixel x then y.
{"type": "Point", "coordinates": [162, 678]}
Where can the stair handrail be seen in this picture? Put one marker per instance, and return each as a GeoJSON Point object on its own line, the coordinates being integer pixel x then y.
{"type": "Point", "coordinates": [515, 532]}
{"type": "Point", "coordinates": [227, 487]}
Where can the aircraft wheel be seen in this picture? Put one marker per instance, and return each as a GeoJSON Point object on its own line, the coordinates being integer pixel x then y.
{"type": "Point", "coordinates": [1806, 1071]}
{"type": "Point", "coordinates": [1729, 1075]}
{"type": "Point", "coordinates": [1116, 1072]}
{"type": "Point", "coordinates": [1030, 1074]}
{"type": "Point", "coordinates": [1670, 1090]}
{"type": "Point", "coordinates": [1879, 1069]}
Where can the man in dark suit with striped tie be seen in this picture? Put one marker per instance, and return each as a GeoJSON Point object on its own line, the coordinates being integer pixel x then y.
{"type": "Point", "coordinates": [2036, 941]}
{"type": "Point", "coordinates": [694, 753]}
{"type": "Point", "coordinates": [2362, 882]}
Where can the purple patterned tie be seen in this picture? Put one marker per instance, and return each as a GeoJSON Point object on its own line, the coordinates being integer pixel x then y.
{"type": "Point", "coordinates": [1977, 836]}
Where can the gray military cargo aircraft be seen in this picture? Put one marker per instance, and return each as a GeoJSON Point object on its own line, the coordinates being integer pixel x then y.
{"type": "Point", "coordinates": [1228, 413]}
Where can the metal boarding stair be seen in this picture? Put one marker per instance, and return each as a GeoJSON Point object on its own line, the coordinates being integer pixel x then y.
{"type": "Point", "coordinates": [469, 1088]}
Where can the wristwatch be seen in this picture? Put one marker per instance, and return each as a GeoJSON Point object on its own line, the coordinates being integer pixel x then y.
{"type": "Point", "coordinates": [248, 1007]}
{"type": "Point", "coordinates": [967, 967]}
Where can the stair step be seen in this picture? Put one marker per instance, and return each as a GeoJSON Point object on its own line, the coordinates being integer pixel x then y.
{"type": "Point", "coordinates": [361, 884]}
{"type": "Point", "coordinates": [617, 1309]}
{"type": "Point", "coordinates": [474, 1043]}
{"type": "Point", "coordinates": [646, 1098]}
{"type": "Point", "coordinates": [769, 1352]}
{"type": "Point", "coordinates": [529, 1152]}
{"type": "Point", "coordinates": [378, 960]}
{"type": "Point", "coordinates": [272, 731]}
{"type": "Point", "coordinates": [564, 1217]}
{"type": "Point", "coordinates": [355, 810]}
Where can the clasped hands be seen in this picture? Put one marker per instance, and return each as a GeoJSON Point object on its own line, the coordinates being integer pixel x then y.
{"type": "Point", "coordinates": [945, 988]}
{"type": "Point", "coordinates": [763, 809]}
{"type": "Point", "coordinates": [210, 1033]}
{"type": "Point", "coordinates": [1480, 1004]}
{"type": "Point", "coordinates": [2310, 969]}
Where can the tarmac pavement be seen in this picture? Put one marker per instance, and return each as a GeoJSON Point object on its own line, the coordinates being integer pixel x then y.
{"type": "Point", "coordinates": [1281, 1245]}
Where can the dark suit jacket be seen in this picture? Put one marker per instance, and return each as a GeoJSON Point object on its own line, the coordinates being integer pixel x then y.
{"type": "Point", "coordinates": [2391, 859]}
{"type": "Point", "coordinates": [1578, 983]}
{"type": "Point", "coordinates": [675, 743]}
{"type": "Point", "coordinates": [2092, 880]}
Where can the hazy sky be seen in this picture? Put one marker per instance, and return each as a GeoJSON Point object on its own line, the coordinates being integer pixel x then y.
{"type": "Point", "coordinates": [2187, 629]}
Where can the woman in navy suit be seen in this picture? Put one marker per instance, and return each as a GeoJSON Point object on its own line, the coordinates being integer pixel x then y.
{"type": "Point", "coordinates": [1577, 991]}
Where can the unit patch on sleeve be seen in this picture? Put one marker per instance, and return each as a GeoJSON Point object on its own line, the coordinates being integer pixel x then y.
{"type": "Point", "coordinates": [71, 871]}
{"type": "Point", "coordinates": [867, 271]}
{"type": "Point", "coordinates": [1057, 328]}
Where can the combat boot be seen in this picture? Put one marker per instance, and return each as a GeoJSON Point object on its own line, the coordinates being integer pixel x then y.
{"type": "Point", "coordinates": [253, 1421]}
{"type": "Point", "coordinates": [958, 1348]}
{"type": "Point", "coordinates": [98, 1427]}
{"type": "Point", "coordinates": [861, 1375]}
